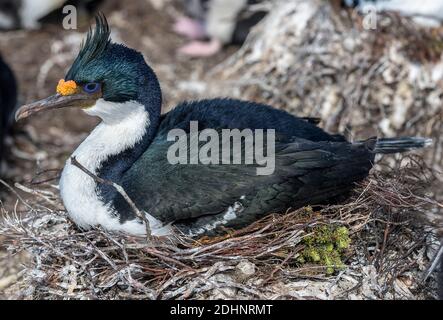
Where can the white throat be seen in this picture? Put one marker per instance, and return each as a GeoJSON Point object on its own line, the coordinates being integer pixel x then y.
{"type": "Point", "coordinates": [124, 124]}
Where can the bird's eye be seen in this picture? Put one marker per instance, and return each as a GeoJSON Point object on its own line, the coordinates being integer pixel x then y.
{"type": "Point", "coordinates": [92, 87]}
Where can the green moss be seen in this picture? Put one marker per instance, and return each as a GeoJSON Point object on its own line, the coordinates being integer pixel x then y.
{"type": "Point", "coordinates": [325, 246]}
{"type": "Point", "coordinates": [307, 212]}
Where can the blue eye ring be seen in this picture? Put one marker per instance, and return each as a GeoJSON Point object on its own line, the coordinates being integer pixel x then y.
{"type": "Point", "coordinates": [92, 87]}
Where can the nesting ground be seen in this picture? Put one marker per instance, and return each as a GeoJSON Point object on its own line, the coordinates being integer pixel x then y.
{"type": "Point", "coordinates": [391, 243]}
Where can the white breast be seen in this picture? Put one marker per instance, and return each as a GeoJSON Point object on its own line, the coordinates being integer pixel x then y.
{"type": "Point", "coordinates": [114, 135]}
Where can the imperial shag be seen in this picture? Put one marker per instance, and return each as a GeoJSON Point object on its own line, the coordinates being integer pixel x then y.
{"type": "Point", "coordinates": [130, 147]}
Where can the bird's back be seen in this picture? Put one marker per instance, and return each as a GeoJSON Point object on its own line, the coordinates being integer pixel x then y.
{"type": "Point", "coordinates": [236, 114]}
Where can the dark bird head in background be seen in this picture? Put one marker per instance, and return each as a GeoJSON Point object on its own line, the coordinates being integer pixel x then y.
{"type": "Point", "coordinates": [8, 101]}
{"type": "Point", "coordinates": [9, 14]}
{"type": "Point", "coordinates": [105, 80]}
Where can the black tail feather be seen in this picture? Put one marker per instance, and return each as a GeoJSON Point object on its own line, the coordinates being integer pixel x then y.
{"type": "Point", "coordinates": [397, 145]}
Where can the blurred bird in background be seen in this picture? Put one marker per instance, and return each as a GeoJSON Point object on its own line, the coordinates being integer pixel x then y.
{"type": "Point", "coordinates": [427, 13]}
{"type": "Point", "coordinates": [8, 101]}
{"type": "Point", "coordinates": [29, 14]}
{"type": "Point", "coordinates": [211, 24]}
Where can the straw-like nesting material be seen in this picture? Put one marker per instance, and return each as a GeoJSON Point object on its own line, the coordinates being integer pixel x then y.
{"type": "Point", "coordinates": [387, 258]}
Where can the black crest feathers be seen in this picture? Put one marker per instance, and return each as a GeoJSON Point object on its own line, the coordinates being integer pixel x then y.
{"type": "Point", "coordinates": [97, 41]}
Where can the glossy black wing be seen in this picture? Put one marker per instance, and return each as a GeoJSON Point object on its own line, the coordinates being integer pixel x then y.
{"type": "Point", "coordinates": [305, 173]}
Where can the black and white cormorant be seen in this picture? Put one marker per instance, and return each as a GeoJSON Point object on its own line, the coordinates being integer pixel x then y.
{"type": "Point", "coordinates": [8, 101]}
{"type": "Point", "coordinates": [130, 146]}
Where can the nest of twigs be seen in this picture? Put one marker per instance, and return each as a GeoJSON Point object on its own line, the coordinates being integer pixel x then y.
{"type": "Point", "coordinates": [390, 252]}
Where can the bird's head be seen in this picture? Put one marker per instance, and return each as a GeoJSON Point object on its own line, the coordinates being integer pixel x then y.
{"type": "Point", "coordinates": [107, 80]}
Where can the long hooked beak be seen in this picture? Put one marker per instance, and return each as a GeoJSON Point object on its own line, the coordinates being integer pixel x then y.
{"type": "Point", "coordinates": [57, 101]}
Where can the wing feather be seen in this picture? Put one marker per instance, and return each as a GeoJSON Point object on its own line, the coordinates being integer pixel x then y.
{"type": "Point", "coordinates": [305, 172]}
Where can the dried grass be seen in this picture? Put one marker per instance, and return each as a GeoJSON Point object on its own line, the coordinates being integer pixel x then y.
{"type": "Point", "coordinates": [388, 257]}
{"type": "Point", "coordinates": [312, 60]}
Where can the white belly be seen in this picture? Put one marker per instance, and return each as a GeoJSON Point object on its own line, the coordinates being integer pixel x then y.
{"type": "Point", "coordinates": [78, 190]}
{"type": "Point", "coordinates": [81, 200]}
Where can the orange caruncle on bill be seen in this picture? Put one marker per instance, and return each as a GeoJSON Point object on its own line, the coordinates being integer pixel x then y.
{"type": "Point", "coordinates": [66, 88]}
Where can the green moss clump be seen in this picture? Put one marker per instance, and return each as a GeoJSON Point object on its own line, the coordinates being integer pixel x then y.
{"type": "Point", "coordinates": [325, 246]}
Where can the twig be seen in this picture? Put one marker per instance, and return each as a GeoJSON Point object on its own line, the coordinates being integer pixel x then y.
{"type": "Point", "coordinates": [16, 193]}
{"type": "Point", "coordinates": [434, 263]}
{"type": "Point", "coordinates": [37, 194]}
{"type": "Point", "coordinates": [120, 190]}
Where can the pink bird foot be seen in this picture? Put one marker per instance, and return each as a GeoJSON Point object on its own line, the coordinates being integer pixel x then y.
{"type": "Point", "coordinates": [189, 28]}
{"type": "Point", "coordinates": [201, 49]}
